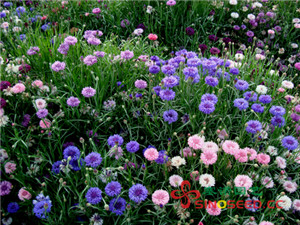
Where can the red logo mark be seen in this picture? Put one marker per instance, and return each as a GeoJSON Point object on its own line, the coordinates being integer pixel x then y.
{"type": "Point", "coordinates": [186, 194]}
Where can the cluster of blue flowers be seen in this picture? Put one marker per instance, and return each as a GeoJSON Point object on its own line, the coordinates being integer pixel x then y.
{"type": "Point", "coordinates": [42, 206]}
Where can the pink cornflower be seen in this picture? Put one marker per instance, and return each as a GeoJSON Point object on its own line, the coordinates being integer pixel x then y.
{"type": "Point", "coordinates": [127, 54]}
{"type": "Point", "coordinates": [160, 197]}
{"type": "Point", "coordinates": [140, 84]}
{"type": "Point", "coordinates": [210, 146]}
{"type": "Point", "coordinates": [208, 157]}
{"type": "Point", "coordinates": [88, 92]}
{"type": "Point", "coordinates": [251, 153]}
{"type": "Point", "coordinates": [195, 175]}
{"type": "Point", "coordinates": [58, 66]}
{"type": "Point", "coordinates": [40, 103]}
{"type": "Point", "coordinates": [10, 167]}
{"type": "Point", "coordinates": [117, 152]}
{"type": "Point", "coordinates": [187, 152]}
{"type": "Point", "coordinates": [171, 2]}
{"type": "Point", "coordinates": [5, 187]}
{"type": "Point", "coordinates": [175, 180]}
{"type": "Point", "coordinates": [93, 41]}
{"type": "Point", "coordinates": [265, 223]}
{"type": "Point", "coordinates": [45, 124]}
{"type": "Point", "coordinates": [18, 88]}
{"type": "Point", "coordinates": [230, 147]}
{"type": "Point", "coordinates": [196, 142]}
{"type": "Point", "coordinates": [213, 211]}
{"type": "Point", "coordinates": [23, 194]}
{"type": "Point", "coordinates": [297, 65]}
{"type": "Point", "coordinates": [151, 154]}
{"type": "Point", "coordinates": [243, 181]}
{"type": "Point", "coordinates": [268, 182]}
{"type": "Point", "coordinates": [296, 205]}
{"type": "Point", "coordinates": [241, 155]}
{"type": "Point", "coordinates": [281, 90]}
{"type": "Point", "coordinates": [96, 11]}
{"type": "Point", "coordinates": [263, 158]}
{"type": "Point", "coordinates": [152, 37]}
{"type": "Point", "coordinates": [281, 162]}
{"type": "Point", "coordinates": [200, 223]}
{"type": "Point", "coordinates": [290, 186]}
{"type": "Point", "coordinates": [37, 83]}
{"type": "Point", "coordinates": [90, 60]}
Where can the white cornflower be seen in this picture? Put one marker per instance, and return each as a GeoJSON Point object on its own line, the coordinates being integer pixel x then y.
{"type": "Point", "coordinates": [207, 180]}
{"type": "Point", "coordinates": [261, 89]}
{"type": "Point", "coordinates": [177, 161]}
{"type": "Point", "coordinates": [287, 84]}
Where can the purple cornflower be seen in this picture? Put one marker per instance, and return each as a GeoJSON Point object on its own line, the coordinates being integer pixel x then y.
{"type": "Point", "coordinates": [93, 195]}
{"type": "Point", "coordinates": [193, 62]}
{"type": "Point", "coordinates": [70, 40]}
{"type": "Point", "coordinates": [125, 23]}
{"type": "Point", "coordinates": [253, 126]}
{"type": "Point", "coordinates": [207, 107]}
{"type": "Point", "coordinates": [2, 103]}
{"type": "Point", "coordinates": [213, 38]}
{"type": "Point", "coordinates": [265, 99]}
{"type": "Point", "coordinates": [154, 58]}
{"type": "Point", "coordinates": [295, 117]}
{"type": "Point", "coordinates": [277, 110]}
{"type": "Point", "coordinates": [33, 51]}
{"type": "Point", "coordinates": [250, 96]}
{"type": "Point", "coordinates": [93, 159]}
{"type": "Point", "coordinates": [138, 193]}
{"type": "Point", "coordinates": [99, 54]}
{"type": "Point", "coordinates": [90, 60]}
{"type": "Point", "coordinates": [241, 103]}
{"type": "Point", "coordinates": [241, 85]}
{"type": "Point", "coordinates": [170, 116]}
{"type": "Point", "coordinates": [211, 81]}
{"type": "Point", "coordinates": [209, 97]}
{"type": "Point", "coordinates": [13, 207]}
{"type": "Point", "coordinates": [214, 51]}
{"type": "Point", "coordinates": [140, 84]}
{"type": "Point", "coordinates": [113, 188]}
{"type": "Point", "coordinates": [58, 66]}
{"type": "Point", "coordinates": [234, 71]}
{"type": "Point", "coordinates": [132, 146]}
{"type": "Point", "coordinates": [167, 94]}
{"type": "Point", "coordinates": [289, 142]}
{"type": "Point", "coordinates": [243, 26]}
{"type": "Point", "coordinates": [203, 48]}
{"type": "Point", "coordinates": [63, 48]}
{"type": "Point", "coordinates": [4, 85]}
{"type": "Point", "coordinates": [117, 206]}
{"type": "Point", "coordinates": [162, 157]}
{"type": "Point", "coordinates": [71, 151]}
{"type": "Point", "coordinates": [170, 81]}
{"type": "Point", "coordinates": [88, 92]}
{"type": "Point", "coordinates": [250, 33]}
{"type": "Point", "coordinates": [278, 121]}
{"type": "Point", "coordinates": [189, 31]}
{"type": "Point", "coordinates": [127, 54]}
{"type": "Point", "coordinates": [56, 167]}
{"type": "Point", "coordinates": [157, 89]}
{"type": "Point", "coordinates": [277, 28]}
{"type": "Point", "coordinates": [26, 120]}
{"type": "Point", "coordinates": [93, 41]}
{"type": "Point", "coordinates": [236, 27]}
{"type": "Point", "coordinates": [42, 113]}
{"type": "Point", "coordinates": [258, 108]}
{"type": "Point", "coordinates": [115, 140]}
{"type": "Point", "coordinates": [154, 69]}
{"type": "Point", "coordinates": [73, 101]}
{"type": "Point", "coordinates": [168, 69]}
{"type": "Point", "coordinates": [5, 187]}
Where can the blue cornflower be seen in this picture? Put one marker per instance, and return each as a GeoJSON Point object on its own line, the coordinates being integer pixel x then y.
{"type": "Point", "coordinates": [211, 81]}
{"type": "Point", "coordinates": [154, 69]}
{"type": "Point", "coordinates": [71, 151]}
{"type": "Point", "coordinates": [94, 195]}
{"type": "Point", "coordinates": [250, 96]}
{"type": "Point", "coordinates": [170, 116]}
{"type": "Point", "coordinates": [241, 103]}
{"type": "Point", "coordinates": [253, 126]}
{"type": "Point", "coordinates": [56, 167]}
{"type": "Point", "coordinates": [207, 107]}
{"type": "Point", "coordinates": [117, 206]}
{"type": "Point", "coordinates": [252, 205]}
{"type": "Point", "coordinates": [162, 157]}
{"type": "Point", "coordinates": [157, 89]}
{"type": "Point", "coordinates": [168, 69]}
{"type": "Point", "coordinates": [13, 207]}
{"type": "Point", "coordinates": [258, 108]}
{"type": "Point", "coordinates": [22, 37]}
{"type": "Point", "coordinates": [93, 159]}
{"type": "Point", "coordinates": [154, 58]}
{"type": "Point", "coordinates": [167, 94]}
{"type": "Point", "coordinates": [289, 142]}
{"type": "Point", "coordinates": [115, 140]}
{"type": "Point", "coordinates": [265, 99]}
{"type": "Point", "coordinates": [234, 71]}
{"type": "Point", "coordinates": [193, 62]}
{"type": "Point", "coordinates": [170, 81]}
{"type": "Point", "coordinates": [138, 193]}
{"type": "Point", "coordinates": [132, 146]}
{"type": "Point", "coordinates": [277, 110]}
{"type": "Point", "coordinates": [190, 71]}
{"type": "Point", "coordinates": [209, 97]}
{"type": "Point", "coordinates": [42, 113]}
{"type": "Point", "coordinates": [278, 121]}
{"type": "Point", "coordinates": [241, 85]}
{"type": "Point", "coordinates": [113, 188]}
